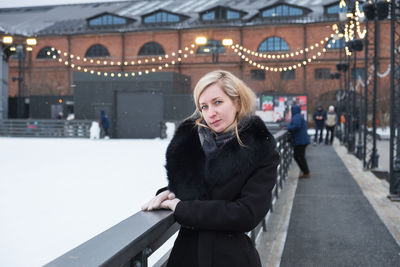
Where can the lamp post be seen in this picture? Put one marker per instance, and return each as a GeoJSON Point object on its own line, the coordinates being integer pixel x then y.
{"type": "Point", "coordinates": [375, 11]}
{"type": "Point", "coordinates": [20, 79]}
{"type": "Point", "coordinates": [5, 42]}
{"type": "Point", "coordinates": [394, 174]}
{"type": "Point", "coordinates": [357, 45]}
{"type": "Point", "coordinates": [19, 47]}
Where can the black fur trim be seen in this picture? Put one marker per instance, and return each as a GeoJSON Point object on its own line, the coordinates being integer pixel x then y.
{"type": "Point", "coordinates": [191, 175]}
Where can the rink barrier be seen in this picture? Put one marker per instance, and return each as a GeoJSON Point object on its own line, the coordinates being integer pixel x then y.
{"type": "Point", "coordinates": [131, 242]}
{"type": "Point", "coordinates": [45, 128]}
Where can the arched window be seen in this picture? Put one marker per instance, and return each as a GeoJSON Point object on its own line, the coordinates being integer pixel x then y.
{"type": "Point", "coordinates": [97, 50]}
{"type": "Point", "coordinates": [212, 46]}
{"type": "Point", "coordinates": [282, 11]}
{"type": "Point", "coordinates": [273, 44]}
{"type": "Point", "coordinates": [47, 53]}
{"type": "Point", "coordinates": [150, 49]}
{"type": "Point", "coordinates": [335, 44]}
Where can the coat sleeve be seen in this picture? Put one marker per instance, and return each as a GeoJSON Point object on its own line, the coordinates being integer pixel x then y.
{"type": "Point", "coordinates": [242, 214]}
{"type": "Point", "coordinates": [294, 125]}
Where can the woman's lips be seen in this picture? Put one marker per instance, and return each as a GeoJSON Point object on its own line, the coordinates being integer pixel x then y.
{"type": "Point", "coordinates": [215, 122]}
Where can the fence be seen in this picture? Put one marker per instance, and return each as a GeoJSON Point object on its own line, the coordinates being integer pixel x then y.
{"type": "Point", "coordinates": [133, 240]}
{"type": "Point", "coordinates": [45, 128]}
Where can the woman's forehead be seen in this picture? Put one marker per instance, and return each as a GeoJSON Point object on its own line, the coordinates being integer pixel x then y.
{"type": "Point", "coordinates": [212, 92]}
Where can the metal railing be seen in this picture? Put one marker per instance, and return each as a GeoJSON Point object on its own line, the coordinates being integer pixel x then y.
{"type": "Point", "coordinates": [133, 240]}
{"type": "Point", "coordinates": [45, 128]}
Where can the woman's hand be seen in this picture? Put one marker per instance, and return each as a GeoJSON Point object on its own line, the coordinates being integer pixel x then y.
{"type": "Point", "coordinates": [155, 203]}
{"type": "Point", "coordinates": [171, 202]}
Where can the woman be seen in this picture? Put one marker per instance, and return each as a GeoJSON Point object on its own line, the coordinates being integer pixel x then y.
{"type": "Point", "coordinates": [298, 128]}
{"type": "Point", "coordinates": [221, 167]}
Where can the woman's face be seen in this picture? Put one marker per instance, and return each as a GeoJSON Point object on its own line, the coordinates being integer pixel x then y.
{"type": "Point", "coordinates": [218, 110]}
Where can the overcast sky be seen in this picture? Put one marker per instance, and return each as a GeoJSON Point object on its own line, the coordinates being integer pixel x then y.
{"type": "Point", "coordinates": [21, 3]}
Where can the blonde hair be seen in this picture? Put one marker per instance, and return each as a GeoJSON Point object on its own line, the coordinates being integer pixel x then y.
{"type": "Point", "coordinates": [233, 87]}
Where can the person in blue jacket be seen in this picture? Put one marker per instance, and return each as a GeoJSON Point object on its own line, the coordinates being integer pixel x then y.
{"type": "Point", "coordinates": [104, 122]}
{"type": "Point", "coordinates": [300, 139]}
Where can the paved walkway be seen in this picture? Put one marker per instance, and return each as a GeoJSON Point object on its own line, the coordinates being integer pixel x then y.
{"type": "Point", "coordinates": [333, 219]}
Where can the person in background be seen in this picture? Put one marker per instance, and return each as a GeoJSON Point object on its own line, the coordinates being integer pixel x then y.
{"type": "Point", "coordinates": [104, 123]}
{"type": "Point", "coordinates": [221, 169]}
{"type": "Point", "coordinates": [319, 119]}
{"type": "Point", "coordinates": [330, 124]}
{"type": "Point", "coordinates": [342, 125]}
{"type": "Point", "coordinates": [300, 139]}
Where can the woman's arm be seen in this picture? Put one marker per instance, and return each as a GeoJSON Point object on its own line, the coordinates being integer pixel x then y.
{"type": "Point", "coordinates": [242, 214]}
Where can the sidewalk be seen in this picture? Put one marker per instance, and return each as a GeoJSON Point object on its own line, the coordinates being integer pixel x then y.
{"type": "Point", "coordinates": [340, 216]}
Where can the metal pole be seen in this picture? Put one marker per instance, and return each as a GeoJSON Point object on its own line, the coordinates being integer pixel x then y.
{"type": "Point", "coordinates": [394, 174]}
{"type": "Point", "coordinates": [359, 151]}
{"type": "Point", "coordinates": [346, 101]}
{"type": "Point", "coordinates": [366, 44]}
{"type": "Point", "coordinates": [350, 147]}
{"type": "Point", "coordinates": [374, 155]}
{"type": "Point", "coordinates": [339, 113]}
{"type": "Point", "coordinates": [20, 101]}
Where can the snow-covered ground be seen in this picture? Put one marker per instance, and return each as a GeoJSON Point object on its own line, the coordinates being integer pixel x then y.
{"type": "Point", "coordinates": [57, 193]}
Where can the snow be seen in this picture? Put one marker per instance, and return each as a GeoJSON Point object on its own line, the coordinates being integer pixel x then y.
{"type": "Point", "coordinates": [57, 193]}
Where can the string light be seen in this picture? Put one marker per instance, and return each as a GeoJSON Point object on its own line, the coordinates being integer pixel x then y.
{"type": "Point", "coordinates": [282, 68]}
{"type": "Point", "coordinates": [142, 60]}
{"type": "Point", "coordinates": [278, 56]}
{"type": "Point", "coordinates": [126, 63]}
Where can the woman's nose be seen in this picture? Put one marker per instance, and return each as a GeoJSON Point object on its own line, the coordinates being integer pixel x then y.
{"type": "Point", "coordinates": [212, 112]}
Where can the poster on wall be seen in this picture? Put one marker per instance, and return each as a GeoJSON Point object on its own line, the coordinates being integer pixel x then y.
{"type": "Point", "coordinates": [277, 108]}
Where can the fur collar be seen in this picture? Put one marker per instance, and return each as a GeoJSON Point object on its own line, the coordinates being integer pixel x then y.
{"type": "Point", "coordinates": [191, 175]}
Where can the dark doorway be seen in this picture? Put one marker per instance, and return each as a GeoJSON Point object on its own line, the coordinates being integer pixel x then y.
{"type": "Point", "coordinates": [138, 114]}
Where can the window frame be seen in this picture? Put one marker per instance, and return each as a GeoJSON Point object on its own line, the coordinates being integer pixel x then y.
{"type": "Point", "coordinates": [107, 19]}
{"type": "Point", "coordinates": [336, 46]}
{"type": "Point", "coordinates": [274, 42]}
{"type": "Point", "coordinates": [148, 44]}
{"type": "Point", "coordinates": [255, 75]}
{"type": "Point", "coordinates": [288, 75]}
{"type": "Point", "coordinates": [161, 14]}
{"type": "Point", "coordinates": [280, 7]}
{"type": "Point", "coordinates": [101, 48]}
{"type": "Point", "coordinates": [220, 13]}
{"type": "Point", "coordinates": [325, 74]}
{"type": "Point", "coordinates": [46, 57]}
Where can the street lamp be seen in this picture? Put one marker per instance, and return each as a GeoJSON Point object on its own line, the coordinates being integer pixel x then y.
{"type": "Point", "coordinates": [201, 40]}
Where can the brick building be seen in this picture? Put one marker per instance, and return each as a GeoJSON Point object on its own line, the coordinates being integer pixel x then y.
{"type": "Point", "coordinates": [128, 37]}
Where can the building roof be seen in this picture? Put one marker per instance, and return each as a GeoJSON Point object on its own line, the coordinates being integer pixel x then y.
{"type": "Point", "coordinates": [72, 18]}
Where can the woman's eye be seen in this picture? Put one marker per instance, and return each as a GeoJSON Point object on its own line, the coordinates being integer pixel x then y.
{"type": "Point", "coordinates": [203, 107]}
{"type": "Point", "coordinates": [218, 102]}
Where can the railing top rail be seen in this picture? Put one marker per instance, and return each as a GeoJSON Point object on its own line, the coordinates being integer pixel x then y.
{"type": "Point", "coordinates": [279, 135]}
{"type": "Point", "coordinates": [117, 245]}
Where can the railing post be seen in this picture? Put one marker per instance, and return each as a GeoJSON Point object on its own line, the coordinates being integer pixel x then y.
{"type": "Point", "coordinates": [140, 260]}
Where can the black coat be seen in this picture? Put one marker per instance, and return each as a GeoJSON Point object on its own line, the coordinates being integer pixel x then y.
{"type": "Point", "coordinates": [223, 196]}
